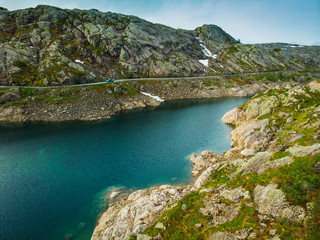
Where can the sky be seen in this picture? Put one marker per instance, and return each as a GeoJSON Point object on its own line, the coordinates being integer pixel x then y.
{"type": "Point", "coordinates": [251, 21]}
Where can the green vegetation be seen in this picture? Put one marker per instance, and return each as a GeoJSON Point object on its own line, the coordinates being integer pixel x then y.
{"type": "Point", "coordinates": [247, 218]}
{"type": "Point", "coordinates": [27, 74]}
{"type": "Point", "coordinates": [300, 181]}
{"type": "Point", "coordinates": [181, 223]}
{"type": "Point", "coordinates": [117, 90]}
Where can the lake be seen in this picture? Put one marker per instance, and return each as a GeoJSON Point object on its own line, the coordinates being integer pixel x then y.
{"type": "Point", "coordinates": [54, 176]}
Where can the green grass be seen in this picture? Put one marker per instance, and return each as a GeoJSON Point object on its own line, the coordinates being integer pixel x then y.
{"type": "Point", "coordinates": [300, 182]}
{"type": "Point", "coordinates": [181, 224]}
{"type": "Point", "coordinates": [246, 218]}
{"type": "Point", "coordinates": [278, 155]}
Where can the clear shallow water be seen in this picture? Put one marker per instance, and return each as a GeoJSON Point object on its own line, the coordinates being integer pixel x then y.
{"type": "Point", "coordinates": [53, 176]}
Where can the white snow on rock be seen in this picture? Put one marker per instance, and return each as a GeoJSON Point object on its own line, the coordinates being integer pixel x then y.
{"type": "Point", "coordinates": [154, 97]}
{"type": "Point", "coordinates": [205, 50]}
{"type": "Point", "coordinates": [78, 61]}
{"type": "Point", "coordinates": [293, 46]}
{"type": "Point", "coordinates": [204, 62]}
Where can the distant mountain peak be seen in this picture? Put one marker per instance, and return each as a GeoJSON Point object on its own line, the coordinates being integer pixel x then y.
{"type": "Point", "coordinates": [214, 33]}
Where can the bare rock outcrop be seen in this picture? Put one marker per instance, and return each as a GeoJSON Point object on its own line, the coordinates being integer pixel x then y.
{"type": "Point", "coordinates": [136, 212]}
{"type": "Point", "coordinates": [270, 200]}
{"type": "Point", "coordinates": [237, 235]}
{"type": "Point", "coordinates": [234, 116]}
{"type": "Point", "coordinates": [203, 161]}
{"type": "Point", "coordinates": [260, 163]}
{"type": "Point", "coordinates": [302, 151]}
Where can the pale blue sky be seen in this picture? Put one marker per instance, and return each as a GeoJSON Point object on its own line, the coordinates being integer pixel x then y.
{"type": "Point", "coordinates": [251, 21]}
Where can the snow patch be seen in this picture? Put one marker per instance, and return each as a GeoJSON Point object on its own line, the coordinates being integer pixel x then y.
{"type": "Point", "coordinates": [205, 50]}
{"type": "Point", "coordinates": [220, 65]}
{"type": "Point", "coordinates": [154, 97]}
{"type": "Point", "coordinates": [215, 56]}
{"type": "Point", "coordinates": [204, 62]}
{"type": "Point", "coordinates": [79, 61]}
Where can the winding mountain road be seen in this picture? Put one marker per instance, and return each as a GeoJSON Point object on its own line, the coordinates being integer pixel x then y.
{"type": "Point", "coordinates": [145, 79]}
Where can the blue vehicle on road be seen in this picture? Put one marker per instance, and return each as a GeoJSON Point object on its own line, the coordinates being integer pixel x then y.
{"type": "Point", "coordinates": [110, 80]}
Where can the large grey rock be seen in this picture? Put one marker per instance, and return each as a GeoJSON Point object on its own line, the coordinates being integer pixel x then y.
{"type": "Point", "coordinates": [235, 194]}
{"type": "Point", "coordinates": [9, 97]}
{"type": "Point", "coordinates": [159, 225]}
{"type": "Point", "coordinates": [240, 234]}
{"type": "Point", "coordinates": [253, 164]}
{"type": "Point", "coordinates": [260, 163]}
{"type": "Point", "coordinates": [143, 237]}
{"type": "Point", "coordinates": [11, 114]}
{"type": "Point", "coordinates": [248, 152]}
{"type": "Point", "coordinates": [213, 207]}
{"type": "Point", "coordinates": [234, 116]}
{"type": "Point", "coordinates": [302, 151]}
{"type": "Point", "coordinates": [134, 214]}
{"type": "Point", "coordinates": [271, 201]}
{"type": "Point", "coordinates": [202, 162]}
{"type": "Point", "coordinates": [261, 106]}
{"type": "Point", "coordinates": [204, 177]}
{"type": "Point", "coordinates": [252, 134]}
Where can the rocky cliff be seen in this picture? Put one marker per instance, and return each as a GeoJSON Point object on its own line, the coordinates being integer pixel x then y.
{"type": "Point", "coordinates": [266, 187]}
{"type": "Point", "coordinates": [51, 46]}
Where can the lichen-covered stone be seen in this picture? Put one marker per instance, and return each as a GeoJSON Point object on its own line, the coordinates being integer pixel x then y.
{"type": "Point", "coordinates": [248, 152]}
{"type": "Point", "coordinates": [302, 151]}
{"type": "Point", "coordinates": [271, 201]}
{"type": "Point", "coordinates": [237, 235]}
{"type": "Point", "coordinates": [220, 212]}
{"type": "Point", "coordinates": [235, 194]}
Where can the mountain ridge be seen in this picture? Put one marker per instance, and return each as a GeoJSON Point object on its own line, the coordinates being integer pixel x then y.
{"type": "Point", "coordinates": [51, 46]}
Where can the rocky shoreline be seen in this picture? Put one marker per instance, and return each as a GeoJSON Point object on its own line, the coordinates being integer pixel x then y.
{"type": "Point", "coordinates": [106, 101]}
{"type": "Point", "coordinates": [147, 214]}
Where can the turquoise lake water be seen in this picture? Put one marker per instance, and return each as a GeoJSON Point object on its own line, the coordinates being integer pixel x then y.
{"type": "Point", "coordinates": [53, 177]}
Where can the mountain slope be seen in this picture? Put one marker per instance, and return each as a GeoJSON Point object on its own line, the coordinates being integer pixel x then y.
{"type": "Point", "coordinates": [51, 46]}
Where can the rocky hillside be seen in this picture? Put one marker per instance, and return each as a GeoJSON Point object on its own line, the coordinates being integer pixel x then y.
{"type": "Point", "coordinates": [51, 46]}
{"type": "Point", "coordinates": [266, 187]}
{"type": "Point", "coordinates": [56, 104]}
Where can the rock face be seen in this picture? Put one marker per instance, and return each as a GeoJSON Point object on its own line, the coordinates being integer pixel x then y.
{"type": "Point", "coordinates": [270, 200]}
{"type": "Point", "coordinates": [301, 151]}
{"type": "Point", "coordinates": [9, 97]}
{"type": "Point", "coordinates": [51, 46]}
{"type": "Point", "coordinates": [202, 162]}
{"type": "Point", "coordinates": [138, 211]}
